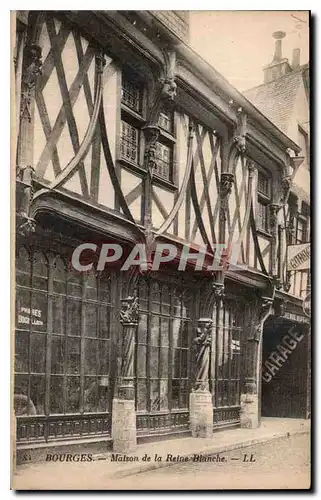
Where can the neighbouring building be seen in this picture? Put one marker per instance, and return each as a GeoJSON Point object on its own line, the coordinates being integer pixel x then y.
{"type": "Point", "coordinates": [126, 135]}
{"type": "Point", "coordinates": [284, 98]}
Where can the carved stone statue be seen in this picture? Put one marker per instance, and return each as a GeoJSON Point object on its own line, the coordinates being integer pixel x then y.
{"type": "Point", "coordinates": [203, 342]}
{"type": "Point", "coordinates": [129, 310]}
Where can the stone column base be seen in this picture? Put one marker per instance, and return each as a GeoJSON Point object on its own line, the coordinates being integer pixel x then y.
{"type": "Point", "coordinates": [201, 414]}
{"type": "Point", "coordinates": [124, 426]}
{"type": "Point", "coordinates": [249, 413]}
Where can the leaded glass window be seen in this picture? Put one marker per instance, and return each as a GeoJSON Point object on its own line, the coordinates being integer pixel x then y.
{"type": "Point", "coordinates": [129, 144]}
{"type": "Point", "coordinates": [164, 161]}
{"type": "Point", "coordinates": [162, 354]}
{"type": "Point", "coordinates": [62, 353]}
{"type": "Point", "coordinates": [131, 94]}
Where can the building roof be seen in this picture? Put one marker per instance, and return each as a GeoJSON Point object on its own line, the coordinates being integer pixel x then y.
{"type": "Point", "coordinates": [276, 99]}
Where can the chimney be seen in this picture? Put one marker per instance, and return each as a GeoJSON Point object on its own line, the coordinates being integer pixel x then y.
{"type": "Point", "coordinates": [296, 59]}
{"type": "Point", "coordinates": [279, 66]}
{"type": "Point", "coordinates": [278, 35]}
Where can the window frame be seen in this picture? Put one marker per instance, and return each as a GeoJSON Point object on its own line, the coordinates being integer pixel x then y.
{"type": "Point", "coordinates": [265, 199]}
{"type": "Point", "coordinates": [51, 333]}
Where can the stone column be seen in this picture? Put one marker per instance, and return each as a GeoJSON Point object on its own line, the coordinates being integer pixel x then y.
{"type": "Point", "coordinates": [249, 415]}
{"type": "Point", "coordinates": [123, 413]}
{"type": "Point", "coordinates": [201, 407]}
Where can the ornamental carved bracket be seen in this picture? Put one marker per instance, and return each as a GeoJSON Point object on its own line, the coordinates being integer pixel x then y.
{"type": "Point", "coordinates": [239, 138]}
{"type": "Point", "coordinates": [286, 187]}
{"type": "Point", "coordinates": [167, 81]}
{"type": "Point", "coordinates": [226, 184]}
{"type": "Point", "coordinates": [24, 187]}
{"type": "Point", "coordinates": [218, 290]}
{"type": "Point", "coordinates": [274, 210]}
{"type": "Point", "coordinates": [163, 89]}
{"type": "Point", "coordinates": [265, 309]}
{"type": "Point", "coordinates": [31, 69]}
{"type": "Point", "coordinates": [150, 160]}
{"type": "Point", "coordinates": [100, 60]}
{"type": "Point", "coordinates": [129, 310]}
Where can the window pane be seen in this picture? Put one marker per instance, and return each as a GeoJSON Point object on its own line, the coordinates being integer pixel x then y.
{"type": "Point", "coordinates": [58, 314]}
{"type": "Point", "coordinates": [166, 120]}
{"type": "Point", "coordinates": [154, 330]}
{"type": "Point", "coordinates": [141, 395]}
{"type": "Point", "coordinates": [262, 216]}
{"type": "Point", "coordinates": [74, 317]}
{"type": "Point", "coordinates": [23, 405]}
{"type": "Point", "coordinates": [21, 351]}
{"type": "Point", "coordinates": [73, 395]}
{"type": "Point", "coordinates": [90, 394]}
{"type": "Point", "coordinates": [90, 357]}
{"type": "Point", "coordinates": [164, 362]}
{"type": "Point", "coordinates": [73, 355]}
{"type": "Point", "coordinates": [39, 306]}
{"type": "Point", "coordinates": [183, 394]}
{"type": "Point", "coordinates": [141, 360]}
{"type": "Point", "coordinates": [104, 289]}
{"type": "Point", "coordinates": [163, 161]}
{"type": "Point", "coordinates": [74, 285]}
{"type": "Point", "coordinates": [129, 142]}
{"type": "Point", "coordinates": [176, 362]}
{"type": "Point", "coordinates": [37, 393]}
{"type": "Point", "coordinates": [103, 402]}
{"type": "Point", "coordinates": [104, 322]}
{"type": "Point", "coordinates": [57, 354]}
{"type": "Point", "coordinates": [59, 276]}
{"type": "Point", "coordinates": [154, 362]}
{"type": "Point", "coordinates": [91, 286]}
{"type": "Point", "coordinates": [56, 394]}
{"type": "Point", "coordinates": [90, 320]}
{"type": "Point", "coordinates": [184, 363]}
{"type": "Point", "coordinates": [154, 395]}
{"type": "Point", "coordinates": [163, 403]}
{"type": "Point", "coordinates": [23, 268]}
{"type": "Point", "coordinates": [263, 184]}
{"type": "Point", "coordinates": [142, 328]}
{"type": "Point", "coordinates": [175, 393]}
{"type": "Point", "coordinates": [103, 354]}
{"type": "Point", "coordinates": [22, 309]}
{"type": "Point", "coordinates": [131, 94]}
{"type": "Point", "coordinates": [164, 331]}
{"type": "Point", "coordinates": [37, 353]}
{"type": "Point", "coordinates": [40, 272]}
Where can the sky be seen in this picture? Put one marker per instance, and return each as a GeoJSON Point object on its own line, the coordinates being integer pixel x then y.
{"type": "Point", "coordinates": [239, 43]}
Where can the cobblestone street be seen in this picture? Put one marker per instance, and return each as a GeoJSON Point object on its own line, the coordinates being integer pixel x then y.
{"type": "Point", "coordinates": [280, 464]}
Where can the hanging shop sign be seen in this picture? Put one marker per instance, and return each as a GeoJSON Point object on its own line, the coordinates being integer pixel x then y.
{"type": "Point", "coordinates": [299, 257]}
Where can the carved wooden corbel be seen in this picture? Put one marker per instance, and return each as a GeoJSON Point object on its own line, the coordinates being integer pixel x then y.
{"type": "Point", "coordinates": [151, 133]}
{"type": "Point", "coordinates": [31, 69]}
{"type": "Point", "coordinates": [24, 181]}
{"type": "Point", "coordinates": [239, 138]}
{"type": "Point", "coordinates": [226, 184]}
{"type": "Point", "coordinates": [218, 290]}
{"type": "Point", "coordinates": [265, 309]}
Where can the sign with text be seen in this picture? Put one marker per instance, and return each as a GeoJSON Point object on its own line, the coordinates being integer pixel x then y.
{"type": "Point", "coordinates": [299, 257]}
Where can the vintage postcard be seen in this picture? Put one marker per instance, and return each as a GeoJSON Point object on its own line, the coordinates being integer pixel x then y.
{"type": "Point", "coordinates": [161, 164]}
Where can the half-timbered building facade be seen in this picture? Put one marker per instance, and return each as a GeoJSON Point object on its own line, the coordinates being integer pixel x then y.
{"type": "Point", "coordinates": [124, 134]}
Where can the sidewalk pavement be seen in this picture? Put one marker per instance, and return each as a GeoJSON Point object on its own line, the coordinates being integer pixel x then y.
{"type": "Point", "coordinates": [84, 475]}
